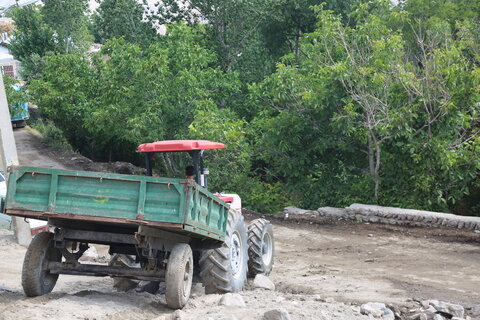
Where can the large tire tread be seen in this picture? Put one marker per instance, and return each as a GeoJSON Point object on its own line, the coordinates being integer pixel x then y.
{"type": "Point", "coordinates": [215, 263]}
{"type": "Point", "coordinates": [256, 230]}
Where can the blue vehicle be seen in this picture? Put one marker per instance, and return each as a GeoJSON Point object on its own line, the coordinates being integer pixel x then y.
{"type": "Point", "coordinates": [19, 113]}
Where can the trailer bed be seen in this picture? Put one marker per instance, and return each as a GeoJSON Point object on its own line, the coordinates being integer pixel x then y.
{"type": "Point", "coordinates": [178, 205]}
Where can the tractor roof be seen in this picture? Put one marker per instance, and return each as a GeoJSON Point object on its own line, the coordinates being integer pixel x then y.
{"type": "Point", "coordinates": [179, 145]}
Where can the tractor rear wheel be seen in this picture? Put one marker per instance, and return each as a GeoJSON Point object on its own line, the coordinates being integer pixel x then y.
{"type": "Point", "coordinates": [225, 269]}
{"type": "Point", "coordinates": [178, 279]}
{"type": "Point", "coordinates": [261, 247]}
{"type": "Point", "coordinates": [36, 278]}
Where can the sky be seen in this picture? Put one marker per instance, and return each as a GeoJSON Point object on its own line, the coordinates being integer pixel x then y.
{"type": "Point", "coordinates": [8, 3]}
{"type": "Point", "coordinates": [92, 3]}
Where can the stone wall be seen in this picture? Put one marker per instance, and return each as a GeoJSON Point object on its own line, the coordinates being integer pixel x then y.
{"type": "Point", "coordinates": [392, 216]}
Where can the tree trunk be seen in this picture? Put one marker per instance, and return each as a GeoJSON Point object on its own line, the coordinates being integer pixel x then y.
{"type": "Point", "coordinates": [374, 158]}
{"type": "Point", "coordinates": [377, 169]}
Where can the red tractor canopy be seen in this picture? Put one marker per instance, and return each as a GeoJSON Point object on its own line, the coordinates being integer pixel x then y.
{"type": "Point", "coordinates": [179, 145]}
{"type": "Point", "coordinates": [194, 147]}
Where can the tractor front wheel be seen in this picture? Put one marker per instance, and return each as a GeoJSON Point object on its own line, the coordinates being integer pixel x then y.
{"type": "Point", "coordinates": [261, 247]}
{"type": "Point", "coordinates": [225, 269]}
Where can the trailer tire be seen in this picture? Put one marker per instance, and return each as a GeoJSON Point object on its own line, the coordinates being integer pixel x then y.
{"type": "Point", "coordinates": [36, 279]}
{"type": "Point", "coordinates": [261, 247]}
{"type": "Point", "coordinates": [225, 269]}
{"type": "Point", "coordinates": [178, 279]}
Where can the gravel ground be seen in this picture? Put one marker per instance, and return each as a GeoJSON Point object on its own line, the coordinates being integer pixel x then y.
{"type": "Point", "coordinates": [323, 270]}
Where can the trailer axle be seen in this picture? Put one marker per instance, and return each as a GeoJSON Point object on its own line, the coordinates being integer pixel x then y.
{"type": "Point", "coordinates": [96, 270]}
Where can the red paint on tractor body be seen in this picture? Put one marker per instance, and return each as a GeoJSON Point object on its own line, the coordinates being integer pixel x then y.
{"type": "Point", "coordinates": [226, 199]}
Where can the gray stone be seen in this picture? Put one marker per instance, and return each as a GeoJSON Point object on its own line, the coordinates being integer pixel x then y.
{"type": "Point", "coordinates": [329, 300]}
{"type": "Point", "coordinates": [373, 308]}
{"type": "Point", "coordinates": [430, 309]}
{"type": "Point", "coordinates": [178, 315]}
{"type": "Point", "coordinates": [438, 317]}
{"type": "Point", "coordinates": [232, 300]}
{"type": "Point", "coordinates": [332, 212]}
{"type": "Point", "coordinates": [276, 314]}
{"type": "Point", "coordinates": [355, 309]}
{"type": "Point", "coordinates": [455, 310]}
{"type": "Point", "coordinates": [388, 314]}
{"type": "Point", "coordinates": [294, 210]}
{"type": "Point", "coordinates": [263, 282]}
{"type": "Point", "coordinates": [418, 316]}
{"type": "Point", "coordinates": [453, 223]}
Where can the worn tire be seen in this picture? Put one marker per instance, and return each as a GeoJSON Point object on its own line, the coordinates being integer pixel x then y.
{"type": "Point", "coordinates": [261, 247]}
{"type": "Point", "coordinates": [36, 280]}
{"type": "Point", "coordinates": [179, 276]}
{"type": "Point", "coordinates": [225, 269]}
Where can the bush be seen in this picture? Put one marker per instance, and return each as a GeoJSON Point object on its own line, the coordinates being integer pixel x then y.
{"type": "Point", "coordinates": [53, 136]}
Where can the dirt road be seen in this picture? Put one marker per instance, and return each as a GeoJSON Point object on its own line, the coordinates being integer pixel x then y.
{"type": "Point", "coordinates": [313, 262]}
{"type": "Point", "coordinates": [361, 262]}
{"type": "Point", "coordinates": [322, 271]}
{"type": "Point", "coordinates": [31, 152]}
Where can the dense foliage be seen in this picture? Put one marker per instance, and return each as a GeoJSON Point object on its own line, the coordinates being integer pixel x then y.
{"type": "Point", "coordinates": [320, 103]}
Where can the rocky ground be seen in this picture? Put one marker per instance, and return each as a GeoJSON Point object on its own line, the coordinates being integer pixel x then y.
{"type": "Point", "coordinates": [324, 269]}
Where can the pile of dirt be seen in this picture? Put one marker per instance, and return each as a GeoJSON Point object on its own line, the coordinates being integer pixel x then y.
{"type": "Point", "coordinates": [33, 152]}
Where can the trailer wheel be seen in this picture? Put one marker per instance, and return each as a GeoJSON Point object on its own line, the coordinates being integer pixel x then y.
{"type": "Point", "coordinates": [178, 279]}
{"type": "Point", "coordinates": [261, 247]}
{"type": "Point", "coordinates": [225, 269]}
{"type": "Point", "coordinates": [36, 278]}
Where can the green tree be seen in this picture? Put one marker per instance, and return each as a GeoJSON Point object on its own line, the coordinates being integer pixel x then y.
{"type": "Point", "coordinates": [358, 107]}
{"type": "Point", "coordinates": [64, 94]}
{"type": "Point", "coordinates": [231, 23]}
{"type": "Point", "coordinates": [289, 20]}
{"type": "Point", "coordinates": [69, 21]}
{"type": "Point", "coordinates": [122, 19]}
{"type": "Point", "coordinates": [32, 39]}
{"type": "Point", "coordinates": [152, 94]}
{"type": "Point", "coordinates": [231, 170]}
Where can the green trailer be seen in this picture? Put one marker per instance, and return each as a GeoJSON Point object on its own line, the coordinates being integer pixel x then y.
{"type": "Point", "coordinates": [167, 228]}
{"type": "Point", "coordinates": [125, 201]}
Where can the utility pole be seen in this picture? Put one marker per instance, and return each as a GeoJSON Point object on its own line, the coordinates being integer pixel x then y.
{"type": "Point", "coordinates": [8, 157]}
